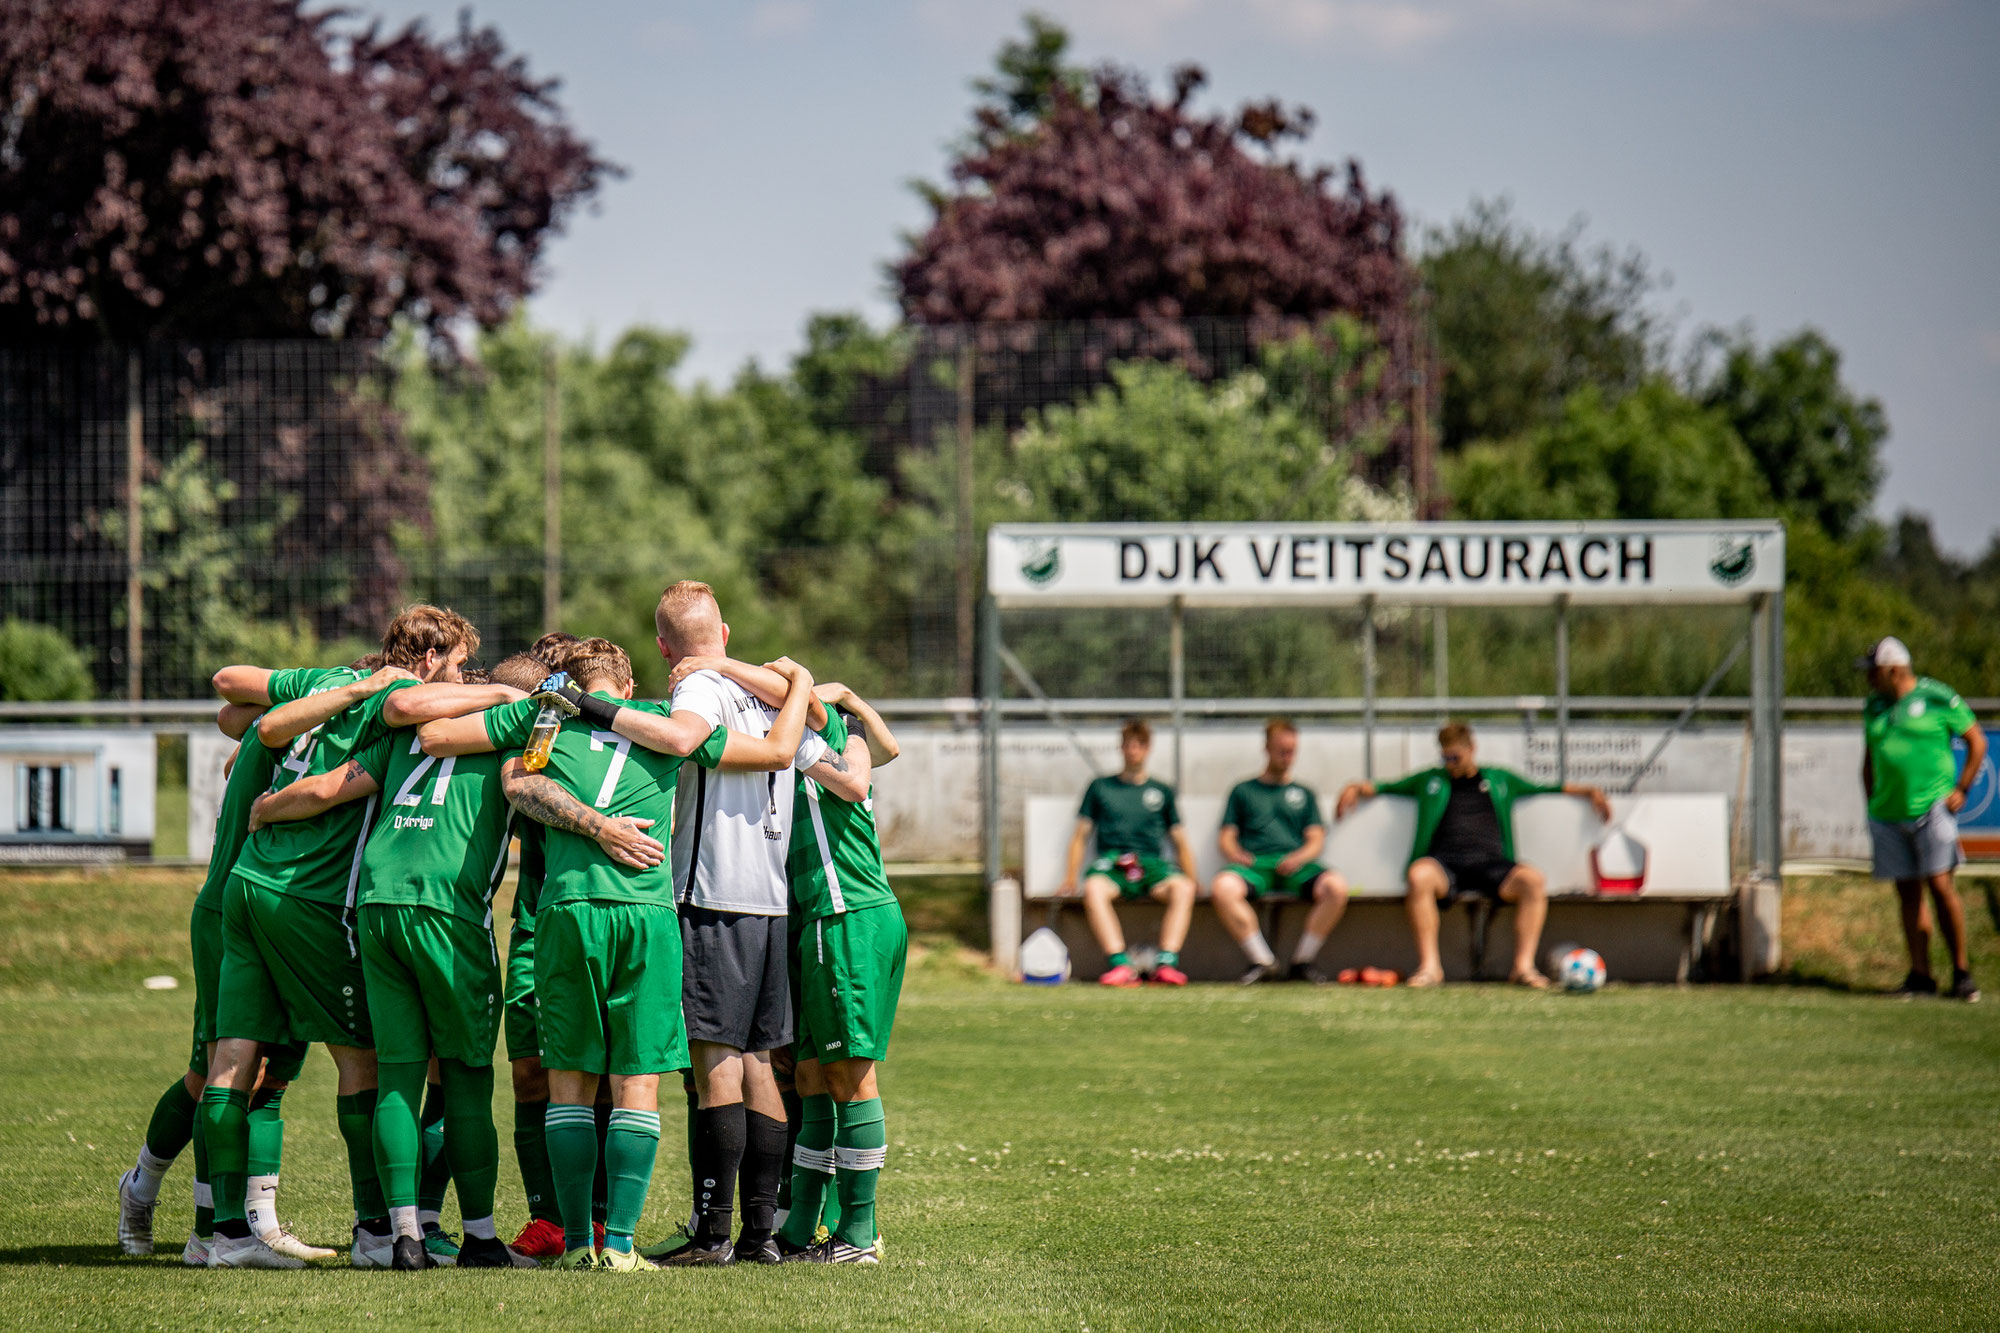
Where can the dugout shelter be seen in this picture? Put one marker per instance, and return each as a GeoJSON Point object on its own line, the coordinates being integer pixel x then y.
{"type": "Point", "coordinates": [1368, 568]}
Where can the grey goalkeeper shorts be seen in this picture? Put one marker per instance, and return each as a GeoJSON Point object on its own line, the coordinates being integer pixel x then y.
{"type": "Point", "coordinates": [735, 987]}
{"type": "Point", "coordinates": [1916, 848]}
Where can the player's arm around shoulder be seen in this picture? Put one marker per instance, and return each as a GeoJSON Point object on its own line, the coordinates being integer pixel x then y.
{"type": "Point", "coordinates": [315, 795]}
{"type": "Point", "coordinates": [414, 705]}
{"type": "Point", "coordinates": [779, 748]}
{"type": "Point", "coordinates": [449, 736]}
{"type": "Point", "coordinates": [289, 721]}
{"type": "Point", "coordinates": [541, 798]}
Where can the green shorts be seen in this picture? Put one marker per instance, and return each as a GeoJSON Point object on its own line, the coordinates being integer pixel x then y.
{"type": "Point", "coordinates": [608, 988]}
{"type": "Point", "coordinates": [1138, 880]}
{"type": "Point", "coordinates": [517, 1014]}
{"type": "Point", "coordinates": [291, 970]}
{"type": "Point", "coordinates": [850, 977]}
{"type": "Point", "coordinates": [283, 1062]}
{"type": "Point", "coordinates": [1264, 880]}
{"type": "Point", "coordinates": [433, 984]}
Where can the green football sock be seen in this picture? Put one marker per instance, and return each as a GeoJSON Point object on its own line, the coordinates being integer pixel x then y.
{"type": "Point", "coordinates": [1170, 958]}
{"type": "Point", "coordinates": [435, 1176]}
{"type": "Point", "coordinates": [600, 1186]}
{"type": "Point", "coordinates": [860, 1146]}
{"type": "Point", "coordinates": [812, 1170]}
{"type": "Point", "coordinates": [397, 1142]}
{"type": "Point", "coordinates": [172, 1124]}
{"type": "Point", "coordinates": [266, 1123]}
{"type": "Point", "coordinates": [1119, 959]}
{"type": "Point", "coordinates": [223, 1111]}
{"type": "Point", "coordinates": [474, 1144]}
{"type": "Point", "coordinates": [532, 1149]}
{"type": "Point", "coordinates": [571, 1133]}
{"type": "Point", "coordinates": [204, 1192]}
{"type": "Point", "coordinates": [356, 1113]}
{"type": "Point", "coordinates": [630, 1147]}
{"type": "Point", "coordinates": [793, 1113]}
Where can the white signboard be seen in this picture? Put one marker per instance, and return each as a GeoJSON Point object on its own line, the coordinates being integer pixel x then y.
{"type": "Point", "coordinates": [1249, 564]}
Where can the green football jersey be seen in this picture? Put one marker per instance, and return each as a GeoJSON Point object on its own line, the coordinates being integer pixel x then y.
{"type": "Point", "coordinates": [1129, 816]}
{"type": "Point", "coordinates": [440, 840]}
{"type": "Point", "coordinates": [1270, 820]}
{"type": "Point", "coordinates": [249, 777]}
{"type": "Point", "coordinates": [318, 858]}
{"type": "Point", "coordinates": [835, 859]}
{"type": "Point", "coordinates": [1909, 749]}
{"type": "Point", "coordinates": [612, 775]}
{"type": "Point", "coordinates": [530, 873]}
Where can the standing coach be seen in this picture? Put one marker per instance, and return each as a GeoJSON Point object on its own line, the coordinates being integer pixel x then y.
{"type": "Point", "coordinates": [1914, 795]}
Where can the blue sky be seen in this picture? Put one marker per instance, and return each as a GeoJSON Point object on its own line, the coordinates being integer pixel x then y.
{"type": "Point", "coordinates": [1787, 162]}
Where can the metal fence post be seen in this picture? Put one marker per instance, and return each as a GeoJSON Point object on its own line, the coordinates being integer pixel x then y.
{"type": "Point", "coordinates": [1562, 690]}
{"type": "Point", "coordinates": [967, 554]}
{"type": "Point", "coordinates": [1177, 677]}
{"type": "Point", "coordinates": [989, 700]}
{"type": "Point", "coordinates": [135, 538]}
{"type": "Point", "coordinates": [551, 492]}
{"type": "Point", "coordinates": [1441, 670]}
{"type": "Point", "coordinates": [1368, 688]}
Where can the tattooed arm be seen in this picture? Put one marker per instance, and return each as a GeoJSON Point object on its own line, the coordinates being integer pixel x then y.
{"type": "Point", "coordinates": [543, 800]}
{"type": "Point", "coordinates": [314, 795]}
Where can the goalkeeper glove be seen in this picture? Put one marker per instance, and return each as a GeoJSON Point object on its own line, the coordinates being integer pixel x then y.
{"type": "Point", "coordinates": [567, 697]}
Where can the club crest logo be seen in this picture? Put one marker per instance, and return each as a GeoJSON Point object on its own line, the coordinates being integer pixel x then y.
{"type": "Point", "coordinates": [1153, 799]}
{"type": "Point", "coordinates": [1041, 559]}
{"type": "Point", "coordinates": [1735, 560]}
{"type": "Point", "coordinates": [1295, 797]}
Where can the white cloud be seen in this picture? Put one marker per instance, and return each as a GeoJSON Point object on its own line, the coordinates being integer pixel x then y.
{"type": "Point", "coordinates": [780, 18]}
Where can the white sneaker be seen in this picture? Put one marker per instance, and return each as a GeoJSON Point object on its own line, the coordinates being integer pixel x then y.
{"type": "Point", "coordinates": [195, 1254]}
{"type": "Point", "coordinates": [248, 1252]}
{"type": "Point", "coordinates": [135, 1219]}
{"type": "Point", "coordinates": [284, 1242]}
{"type": "Point", "coordinates": [372, 1251]}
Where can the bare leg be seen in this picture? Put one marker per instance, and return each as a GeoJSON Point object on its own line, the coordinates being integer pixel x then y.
{"type": "Point", "coordinates": [355, 1068]}
{"type": "Point", "coordinates": [1329, 901]}
{"type": "Point", "coordinates": [718, 1073]}
{"type": "Point", "coordinates": [1916, 925]}
{"type": "Point", "coordinates": [760, 1086]}
{"type": "Point", "coordinates": [1230, 897]}
{"type": "Point", "coordinates": [1528, 891]}
{"type": "Point", "coordinates": [1099, 894]}
{"type": "Point", "coordinates": [1951, 918]}
{"type": "Point", "coordinates": [1178, 892]}
{"type": "Point", "coordinates": [1427, 884]}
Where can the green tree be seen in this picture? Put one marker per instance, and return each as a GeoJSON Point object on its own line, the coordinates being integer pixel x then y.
{"type": "Point", "coordinates": [1817, 443]}
{"type": "Point", "coordinates": [1523, 321]}
{"type": "Point", "coordinates": [1654, 453]}
{"type": "Point", "coordinates": [39, 665]}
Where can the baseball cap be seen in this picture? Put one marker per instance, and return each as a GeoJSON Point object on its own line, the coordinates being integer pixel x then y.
{"type": "Point", "coordinates": [1887, 652]}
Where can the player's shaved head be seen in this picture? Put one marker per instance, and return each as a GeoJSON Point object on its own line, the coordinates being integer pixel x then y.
{"type": "Point", "coordinates": [523, 671]}
{"type": "Point", "coordinates": [422, 629]}
{"type": "Point", "coordinates": [689, 620]}
{"type": "Point", "coordinates": [599, 664]}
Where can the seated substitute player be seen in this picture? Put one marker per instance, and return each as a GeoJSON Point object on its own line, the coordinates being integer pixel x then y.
{"type": "Point", "coordinates": [1271, 838]}
{"type": "Point", "coordinates": [175, 1122]}
{"type": "Point", "coordinates": [1133, 814]}
{"type": "Point", "coordinates": [432, 863]}
{"type": "Point", "coordinates": [290, 969]}
{"type": "Point", "coordinates": [1465, 848]}
{"type": "Point", "coordinates": [607, 946]}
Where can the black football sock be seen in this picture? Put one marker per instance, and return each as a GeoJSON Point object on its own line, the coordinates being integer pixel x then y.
{"type": "Point", "coordinates": [719, 1135]}
{"type": "Point", "coordinates": [764, 1169]}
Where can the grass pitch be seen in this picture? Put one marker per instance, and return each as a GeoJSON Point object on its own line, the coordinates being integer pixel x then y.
{"type": "Point", "coordinates": [1794, 1156]}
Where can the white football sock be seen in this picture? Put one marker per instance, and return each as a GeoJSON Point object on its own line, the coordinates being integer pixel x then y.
{"type": "Point", "coordinates": [403, 1221]}
{"type": "Point", "coordinates": [1258, 949]}
{"type": "Point", "coordinates": [1309, 946]}
{"type": "Point", "coordinates": [481, 1227]}
{"type": "Point", "coordinates": [260, 1205]}
{"type": "Point", "coordinates": [146, 1175]}
{"type": "Point", "coordinates": [204, 1195]}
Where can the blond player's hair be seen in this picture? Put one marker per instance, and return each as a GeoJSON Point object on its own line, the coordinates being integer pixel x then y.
{"type": "Point", "coordinates": [1454, 733]}
{"type": "Point", "coordinates": [595, 663]}
{"type": "Point", "coordinates": [684, 615]}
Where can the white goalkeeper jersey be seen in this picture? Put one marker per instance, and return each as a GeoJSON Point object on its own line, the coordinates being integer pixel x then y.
{"type": "Point", "coordinates": [732, 830]}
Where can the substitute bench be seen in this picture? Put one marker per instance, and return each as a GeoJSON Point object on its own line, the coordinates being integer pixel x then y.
{"type": "Point", "coordinates": [1656, 934]}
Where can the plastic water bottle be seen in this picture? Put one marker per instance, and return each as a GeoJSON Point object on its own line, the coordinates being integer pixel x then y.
{"type": "Point", "coordinates": [542, 739]}
{"type": "Point", "coordinates": [1044, 959]}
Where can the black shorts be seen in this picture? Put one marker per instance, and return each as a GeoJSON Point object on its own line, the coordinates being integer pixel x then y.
{"type": "Point", "coordinates": [1476, 879]}
{"type": "Point", "coordinates": [734, 990]}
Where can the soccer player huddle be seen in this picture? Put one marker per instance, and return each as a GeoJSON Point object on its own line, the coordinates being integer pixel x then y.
{"type": "Point", "coordinates": [700, 891]}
